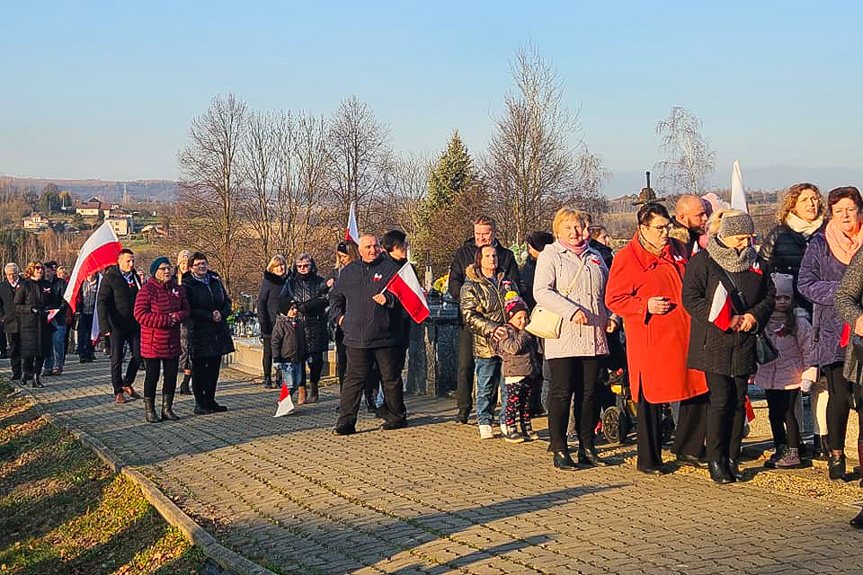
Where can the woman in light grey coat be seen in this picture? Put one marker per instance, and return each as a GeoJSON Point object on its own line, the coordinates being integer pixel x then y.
{"type": "Point", "coordinates": [570, 281]}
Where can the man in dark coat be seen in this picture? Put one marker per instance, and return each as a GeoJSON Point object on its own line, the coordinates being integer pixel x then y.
{"type": "Point", "coordinates": [483, 234]}
{"type": "Point", "coordinates": [11, 284]}
{"type": "Point", "coordinates": [370, 318]}
{"type": "Point", "coordinates": [309, 290]}
{"type": "Point", "coordinates": [115, 305]}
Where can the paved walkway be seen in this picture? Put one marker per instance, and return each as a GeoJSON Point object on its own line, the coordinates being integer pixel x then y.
{"type": "Point", "coordinates": [433, 499]}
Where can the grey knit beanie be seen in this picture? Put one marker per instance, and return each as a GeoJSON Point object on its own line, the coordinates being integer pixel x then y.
{"type": "Point", "coordinates": [736, 225]}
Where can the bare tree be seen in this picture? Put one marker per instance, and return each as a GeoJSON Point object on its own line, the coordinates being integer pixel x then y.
{"type": "Point", "coordinates": [211, 183]}
{"type": "Point", "coordinates": [590, 176]}
{"type": "Point", "coordinates": [258, 163]}
{"type": "Point", "coordinates": [688, 157]}
{"type": "Point", "coordinates": [360, 158]}
{"type": "Point", "coordinates": [405, 189]}
{"type": "Point", "coordinates": [313, 169]}
{"type": "Point", "coordinates": [531, 164]}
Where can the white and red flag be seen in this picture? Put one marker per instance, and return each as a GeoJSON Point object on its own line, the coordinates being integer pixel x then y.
{"type": "Point", "coordinates": [98, 252]}
{"type": "Point", "coordinates": [720, 308]}
{"type": "Point", "coordinates": [352, 232]}
{"type": "Point", "coordinates": [286, 404]}
{"type": "Point", "coordinates": [406, 287]}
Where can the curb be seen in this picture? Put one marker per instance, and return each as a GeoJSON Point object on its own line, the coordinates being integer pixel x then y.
{"type": "Point", "coordinates": [229, 560]}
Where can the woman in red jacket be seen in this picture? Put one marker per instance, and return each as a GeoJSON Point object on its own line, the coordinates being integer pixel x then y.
{"type": "Point", "coordinates": [644, 287]}
{"type": "Point", "coordinates": [160, 308]}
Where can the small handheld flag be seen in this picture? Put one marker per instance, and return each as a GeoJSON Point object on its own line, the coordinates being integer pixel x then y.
{"type": "Point", "coordinates": [286, 405]}
{"type": "Point", "coordinates": [720, 308]}
{"type": "Point", "coordinates": [406, 287]}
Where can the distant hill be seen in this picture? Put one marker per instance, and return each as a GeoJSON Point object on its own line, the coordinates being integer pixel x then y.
{"type": "Point", "coordinates": [160, 190]}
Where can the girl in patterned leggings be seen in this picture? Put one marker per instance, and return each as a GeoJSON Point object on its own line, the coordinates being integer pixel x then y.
{"type": "Point", "coordinates": [518, 351]}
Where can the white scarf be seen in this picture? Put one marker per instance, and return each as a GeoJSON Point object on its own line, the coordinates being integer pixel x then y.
{"type": "Point", "coordinates": [803, 227]}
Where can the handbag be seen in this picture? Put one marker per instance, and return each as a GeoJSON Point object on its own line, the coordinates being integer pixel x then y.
{"type": "Point", "coordinates": [545, 323]}
{"type": "Point", "coordinates": [765, 350]}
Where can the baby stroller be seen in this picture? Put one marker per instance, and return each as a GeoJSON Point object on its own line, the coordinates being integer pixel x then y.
{"type": "Point", "coordinates": [619, 419]}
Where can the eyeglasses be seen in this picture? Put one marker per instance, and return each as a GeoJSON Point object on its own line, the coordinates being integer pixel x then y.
{"type": "Point", "coordinates": [666, 228]}
{"type": "Point", "coordinates": [163, 268]}
{"type": "Point", "coordinates": [38, 268]}
{"type": "Point", "coordinates": [200, 265]}
{"type": "Point", "coordinates": [303, 266]}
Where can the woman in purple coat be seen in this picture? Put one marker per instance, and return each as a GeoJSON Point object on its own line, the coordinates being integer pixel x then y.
{"type": "Point", "coordinates": [824, 263]}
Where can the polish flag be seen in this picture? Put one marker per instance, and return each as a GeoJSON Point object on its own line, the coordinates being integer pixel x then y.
{"type": "Point", "coordinates": [750, 413]}
{"type": "Point", "coordinates": [720, 309]}
{"type": "Point", "coordinates": [352, 232]}
{"type": "Point", "coordinates": [98, 252]}
{"type": "Point", "coordinates": [286, 405]}
{"type": "Point", "coordinates": [406, 287]}
{"type": "Point", "coordinates": [846, 336]}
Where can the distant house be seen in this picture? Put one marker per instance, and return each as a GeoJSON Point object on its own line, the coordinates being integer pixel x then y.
{"type": "Point", "coordinates": [153, 232]}
{"type": "Point", "coordinates": [122, 225]}
{"type": "Point", "coordinates": [36, 223]}
{"type": "Point", "coordinates": [92, 208]}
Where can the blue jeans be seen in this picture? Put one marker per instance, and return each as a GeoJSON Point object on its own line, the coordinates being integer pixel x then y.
{"type": "Point", "coordinates": [292, 374]}
{"type": "Point", "coordinates": [58, 343]}
{"type": "Point", "coordinates": [487, 380]}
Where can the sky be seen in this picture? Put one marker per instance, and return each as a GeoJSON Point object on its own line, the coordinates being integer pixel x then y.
{"type": "Point", "coordinates": [108, 89]}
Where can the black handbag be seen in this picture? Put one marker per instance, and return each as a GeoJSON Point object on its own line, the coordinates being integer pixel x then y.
{"type": "Point", "coordinates": [765, 351]}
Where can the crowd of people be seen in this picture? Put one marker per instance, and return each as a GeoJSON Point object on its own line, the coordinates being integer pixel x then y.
{"type": "Point", "coordinates": [696, 311]}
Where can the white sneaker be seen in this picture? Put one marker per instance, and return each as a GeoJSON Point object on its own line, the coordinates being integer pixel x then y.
{"type": "Point", "coordinates": [503, 428]}
{"type": "Point", "coordinates": [485, 432]}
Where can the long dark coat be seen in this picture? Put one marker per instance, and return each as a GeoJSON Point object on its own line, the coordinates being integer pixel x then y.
{"type": "Point", "coordinates": [310, 292]}
{"type": "Point", "coordinates": [33, 327]}
{"type": "Point", "coordinates": [208, 338]}
{"type": "Point", "coordinates": [268, 301]}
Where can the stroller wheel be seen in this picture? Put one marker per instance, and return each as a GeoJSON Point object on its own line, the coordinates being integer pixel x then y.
{"type": "Point", "coordinates": [611, 424]}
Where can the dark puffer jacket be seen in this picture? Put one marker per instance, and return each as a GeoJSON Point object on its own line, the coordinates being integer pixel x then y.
{"type": "Point", "coordinates": [367, 324]}
{"type": "Point", "coordinates": [712, 350]}
{"type": "Point", "coordinates": [115, 303]}
{"type": "Point", "coordinates": [783, 250]}
{"type": "Point", "coordinates": [268, 301]}
{"type": "Point", "coordinates": [33, 327]}
{"type": "Point", "coordinates": [482, 307]}
{"type": "Point", "coordinates": [161, 308]}
{"type": "Point", "coordinates": [820, 273]}
{"type": "Point", "coordinates": [289, 340]}
{"type": "Point", "coordinates": [518, 350]}
{"type": "Point", "coordinates": [309, 290]}
{"type": "Point", "coordinates": [208, 338]}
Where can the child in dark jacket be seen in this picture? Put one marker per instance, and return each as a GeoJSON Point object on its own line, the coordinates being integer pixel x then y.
{"type": "Point", "coordinates": [288, 344]}
{"type": "Point", "coordinates": [521, 366]}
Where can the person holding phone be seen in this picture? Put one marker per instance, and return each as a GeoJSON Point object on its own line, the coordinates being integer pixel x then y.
{"type": "Point", "coordinates": [644, 288]}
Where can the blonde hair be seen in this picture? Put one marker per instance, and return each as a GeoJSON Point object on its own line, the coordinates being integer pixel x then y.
{"type": "Point", "coordinates": [276, 260]}
{"type": "Point", "coordinates": [715, 221]}
{"type": "Point", "coordinates": [31, 266]}
{"type": "Point", "coordinates": [567, 213]}
{"type": "Point", "coordinates": [789, 200]}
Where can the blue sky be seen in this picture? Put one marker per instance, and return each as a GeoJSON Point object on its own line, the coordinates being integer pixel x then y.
{"type": "Point", "coordinates": [107, 90]}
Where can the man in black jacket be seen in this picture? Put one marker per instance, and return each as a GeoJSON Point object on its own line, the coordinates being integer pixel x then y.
{"type": "Point", "coordinates": [483, 235]}
{"type": "Point", "coordinates": [9, 318]}
{"type": "Point", "coordinates": [115, 306]}
{"type": "Point", "coordinates": [370, 318]}
{"type": "Point", "coordinates": [690, 218]}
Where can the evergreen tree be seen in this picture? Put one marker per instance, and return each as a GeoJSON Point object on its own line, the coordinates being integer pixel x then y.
{"type": "Point", "coordinates": [452, 173]}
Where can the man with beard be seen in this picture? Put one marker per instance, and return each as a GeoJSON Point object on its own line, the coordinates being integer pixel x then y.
{"type": "Point", "coordinates": [690, 217]}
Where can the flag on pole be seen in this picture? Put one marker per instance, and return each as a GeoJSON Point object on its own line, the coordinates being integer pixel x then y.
{"type": "Point", "coordinates": [738, 193]}
{"type": "Point", "coordinates": [286, 405]}
{"type": "Point", "coordinates": [720, 308]}
{"type": "Point", "coordinates": [352, 232]}
{"type": "Point", "coordinates": [98, 252]}
{"type": "Point", "coordinates": [406, 287]}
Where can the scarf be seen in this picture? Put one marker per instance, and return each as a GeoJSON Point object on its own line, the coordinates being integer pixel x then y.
{"type": "Point", "coordinates": [803, 227]}
{"type": "Point", "coordinates": [649, 246]}
{"type": "Point", "coordinates": [728, 259]}
{"type": "Point", "coordinates": [204, 280]}
{"type": "Point", "coordinates": [576, 249]}
{"type": "Point", "coordinates": [841, 246]}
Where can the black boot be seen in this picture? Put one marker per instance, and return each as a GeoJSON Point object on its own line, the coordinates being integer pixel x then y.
{"type": "Point", "coordinates": [718, 473]}
{"type": "Point", "coordinates": [589, 456]}
{"type": "Point", "coordinates": [734, 470]}
{"type": "Point", "coordinates": [836, 467]}
{"type": "Point", "coordinates": [563, 461]}
{"type": "Point", "coordinates": [268, 382]}
{"type": "Point", "coordinates": [37, 381]}
{"type": "Point", "coordinates": [167, 404]}
{"type": "Point", "coordinates": [818, 448]}
{"type": "Point", "coordinates": [150, 410]}
{"type": "Point", "coordinates": [858, 520]}
{"type": "Point", "coordinates": [184, 385]}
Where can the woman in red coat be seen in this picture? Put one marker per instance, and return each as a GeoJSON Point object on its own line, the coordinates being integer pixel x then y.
{"type": "Point", "coordinates": [161, 307]}
{"type": "Point", "coordinates": [644, 287]}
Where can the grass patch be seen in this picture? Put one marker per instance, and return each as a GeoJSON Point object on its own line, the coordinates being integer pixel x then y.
{"type": "Point", "coordinates": [62, 511]}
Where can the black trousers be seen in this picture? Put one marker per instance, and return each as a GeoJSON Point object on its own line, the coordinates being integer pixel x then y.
{"type": "Point", "coordinates": [3, 344]}
{"type": "Point", "coordinates": [649, 434]}
{"type": "Point", "coordinates": [691, 426]}
{"type": "Point", "coordinates": [359, 366]}
{"type": "Point", "coordinates": [14, 350]}
{"type": "Point", "coordinates": [726, 410]}
{"type": "Point", "coordinates": [118, 347]}
{"type": "Point", "coordinates": [783, 421]}
{"type": "Point", "coordinates": [838, 407]}
{"type": "Point", "coordinates": [205, 375]}
{"type": "Point", "coordinates": [151, 377]}
{"type": "Point", "coordinates": [572, 377]}
{"type": "Point", "coordinates": [316, 366]}
{"type": "Point", "coordinates": [32, 366]}
{"type": "Point", "coordinates": [341, 362]}
{"type": "Point", "coordinates": [466, 367]}
{"type": "Point", "coordinates": [85, 343]}
{"type": "Point", "coordinates": [268, 357]}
